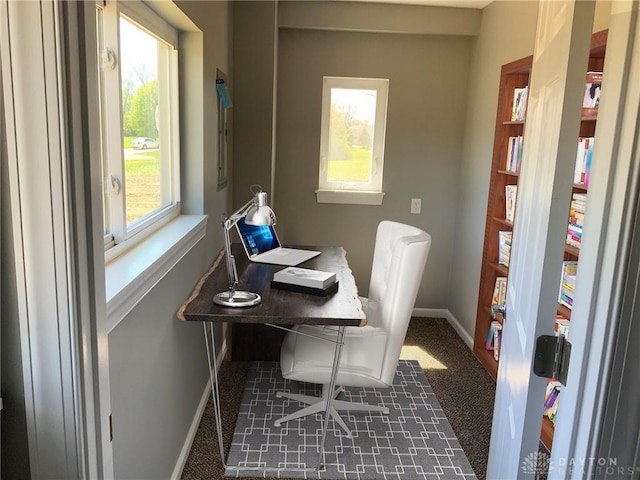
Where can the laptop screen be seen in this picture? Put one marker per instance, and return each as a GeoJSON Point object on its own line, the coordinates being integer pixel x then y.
{"type": "Point", "coordinates": [257, 238]}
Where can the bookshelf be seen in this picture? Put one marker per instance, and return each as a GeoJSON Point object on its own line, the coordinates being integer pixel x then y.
{"type": "Point", "coordinates": [515, 75]}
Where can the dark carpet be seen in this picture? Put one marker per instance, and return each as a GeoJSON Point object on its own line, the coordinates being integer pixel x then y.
{"type": "Point", "coordinates": [463, 388]}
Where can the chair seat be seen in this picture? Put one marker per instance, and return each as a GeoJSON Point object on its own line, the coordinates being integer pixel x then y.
{"type": "Point", "coordinates": [307, 359]}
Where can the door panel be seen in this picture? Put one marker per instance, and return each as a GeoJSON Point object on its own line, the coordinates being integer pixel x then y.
{"type": "Point", "coordinates": [544, 191]}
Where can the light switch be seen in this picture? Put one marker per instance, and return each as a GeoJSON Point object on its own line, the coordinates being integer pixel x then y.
{"type": "Point", "coordinates": [416, 205]}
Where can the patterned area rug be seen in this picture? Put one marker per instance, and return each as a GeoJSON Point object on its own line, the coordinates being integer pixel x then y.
{"type": "Point", "coordinates": [414, 441]}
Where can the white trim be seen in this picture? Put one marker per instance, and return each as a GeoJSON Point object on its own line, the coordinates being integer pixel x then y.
{"type": "Point", "coordinates": [453, 321]}
{"type": "Point", "coordinates": [381, 87]}
{"type": "Point", "coordinates": [141, 232]}
{"type": "Point", "coordinates": [349, 197]}
{"type": "Point", "coordinates": [191, 435]}
{"type": "Point", "coordinates": [153, 23]}
{"type": "Point", "coordinates": [52, 277]}
{"type": "Point", "coordinates": [115, 183]}
{"type": "Point", "coordinates": [132, 275]}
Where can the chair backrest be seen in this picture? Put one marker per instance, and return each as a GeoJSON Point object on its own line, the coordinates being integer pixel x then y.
{"type": "Point", "coordinates": [399, 257]}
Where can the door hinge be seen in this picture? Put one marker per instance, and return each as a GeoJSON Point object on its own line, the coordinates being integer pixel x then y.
{"type": "Point", "coordinates": [552, 357]}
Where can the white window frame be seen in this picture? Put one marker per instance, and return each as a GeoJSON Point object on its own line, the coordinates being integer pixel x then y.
{"type": "Point", "coordinates": [363, 193]}
{"type": "Point", "coordinates": [119, 237]}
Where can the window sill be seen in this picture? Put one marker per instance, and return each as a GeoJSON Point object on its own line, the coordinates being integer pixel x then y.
{"type": "Point", "coordinates": [353, 198]}
{"type": "Point", "coordinates": [130, 276]}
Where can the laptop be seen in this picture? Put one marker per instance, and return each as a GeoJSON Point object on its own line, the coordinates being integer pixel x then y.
{"type": "Point", "coordinates": [261, 244]}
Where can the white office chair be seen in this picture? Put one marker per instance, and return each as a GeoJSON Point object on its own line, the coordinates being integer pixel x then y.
{"type": "Point", "coordinates": [370, 354]}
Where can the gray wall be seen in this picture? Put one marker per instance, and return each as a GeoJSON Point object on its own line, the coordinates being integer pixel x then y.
{"type": "Point", "coordinates": [490, 52]}
{"type": "Point", "coordinates": [254, 50]}
{"type": "Point", "coordinates": [158, 372]}
{"type": "Point", "coordinates": [428, 89]}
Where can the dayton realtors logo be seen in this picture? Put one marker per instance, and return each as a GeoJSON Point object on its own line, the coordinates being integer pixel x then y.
{"type": "Point", "coordinates": [540, 463]}
{"type": "Point", "coordinates": [536, 462]}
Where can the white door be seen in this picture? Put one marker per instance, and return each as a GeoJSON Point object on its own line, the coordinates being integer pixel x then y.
{"type": "Point", "coordinates": [544, 191]}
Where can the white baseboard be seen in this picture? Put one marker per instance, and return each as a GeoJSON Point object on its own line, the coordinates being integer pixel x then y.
{"type": "Point", "coordinates": [453, 321]}
{"type": "Point", "coordinates": [206, 395]}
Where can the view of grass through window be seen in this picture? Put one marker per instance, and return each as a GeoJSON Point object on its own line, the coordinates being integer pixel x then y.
{"type": "Point", "coordinates": [351, 127]}
{"type": "Point", "coordinates": [139, 80]}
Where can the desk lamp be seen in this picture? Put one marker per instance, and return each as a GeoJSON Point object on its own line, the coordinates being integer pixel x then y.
{"type": "Point", "coordinates": [255, 212]}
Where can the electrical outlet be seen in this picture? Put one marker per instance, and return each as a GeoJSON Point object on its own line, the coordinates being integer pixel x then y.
{"type": "Point", "coordinates": [416, 205]}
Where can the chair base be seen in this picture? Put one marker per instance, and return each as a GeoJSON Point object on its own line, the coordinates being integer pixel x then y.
{"type": "Point", "coordinates": [317, 405]}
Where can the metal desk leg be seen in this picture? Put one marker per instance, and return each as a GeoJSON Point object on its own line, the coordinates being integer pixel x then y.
{"type": "Point", "coordinates": [209, 337]}
{"type": "Point", "coordinates": [332, 386]}
{"type": "Point", "coordinates": [215, 390]}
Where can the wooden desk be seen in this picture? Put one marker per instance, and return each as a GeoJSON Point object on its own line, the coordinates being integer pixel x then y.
{"type": "Point", "coordinates": [279, 308]}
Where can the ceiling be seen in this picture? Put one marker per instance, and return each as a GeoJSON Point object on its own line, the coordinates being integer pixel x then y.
{"type": "Point", "coordinates": [437, 3]}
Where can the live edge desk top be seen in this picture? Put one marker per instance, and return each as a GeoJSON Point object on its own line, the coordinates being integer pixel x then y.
{"type": "Point", "coordinates": [280, 307]}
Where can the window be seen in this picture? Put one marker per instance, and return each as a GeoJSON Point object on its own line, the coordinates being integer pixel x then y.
{"type": "Point", "coordinates": [139, 120]}
{"type": "Point", "coordinates": [354, 115]}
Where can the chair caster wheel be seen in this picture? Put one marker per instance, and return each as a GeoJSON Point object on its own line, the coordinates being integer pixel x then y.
{"type": "Point", "coordinates": [277, 424]}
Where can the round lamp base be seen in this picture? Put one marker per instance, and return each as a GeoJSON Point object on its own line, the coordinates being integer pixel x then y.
{"type": "Point", "coordinates": [237, 299]}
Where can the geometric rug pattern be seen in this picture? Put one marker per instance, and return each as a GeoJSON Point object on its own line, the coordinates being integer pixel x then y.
{"type": "Point", "coordinates": [413, 441]}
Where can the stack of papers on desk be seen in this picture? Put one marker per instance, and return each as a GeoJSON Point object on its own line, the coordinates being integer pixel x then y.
{"type": "Point", "coordinates": [305, 280]}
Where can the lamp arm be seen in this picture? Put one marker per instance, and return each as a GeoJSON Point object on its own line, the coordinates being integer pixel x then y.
{"type": "Point", "coordinates": [232, 273]}
{"type": "Point", "coordinates": [232, 219]}
{"type": "Point", "coordinates": [228, 224]}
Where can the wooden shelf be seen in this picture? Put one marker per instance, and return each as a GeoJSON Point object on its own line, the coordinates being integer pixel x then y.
{"type": "Point", "coordinates": [571, 250]}
{"type": "Point", "coordinates": [564, 311]}
{"type": "Point", "coordinates": [546, 434]}
{"type": "Point", "coordinates": [504, 222]}
{"type": "Point", "coordinates": [509, 172]}
{"type": "Point", "coordinates": [501, 269]}
{"type": "Point", "coordinates": [513, 75]}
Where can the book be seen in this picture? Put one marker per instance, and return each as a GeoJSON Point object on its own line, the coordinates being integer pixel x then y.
{"type": "Point", "coordinates": [499, 291]}
{"type": "Point", "coordinates": [576, 219]}
{"type": "Point", "coordinates": [552, 397]}
{"type": "Point", "coordinates": [568, 283]}
{"type": "Point", "coordinates": [319, 292]}
{"type": "Point", "coordinates": [504, 247]}
{"type": "Point", "coordinates": [562, 326]}
{"type": "Point", "coordinates": [584, 157]}
{"type": "Point", "coordinates": [514, 154]}
{"type": "Point", "coordinates": [497, 339]}
{"type": "Point", "coordinates": [510, 194]}
{"type": "Point", "coordinates": [592, 90]}
{"type": "Point", "coordinates": [305, 277]}
{"type": "Point", "coordinates": [519, 107]}
{"type": "Point", "coordinates": [489, 343]}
